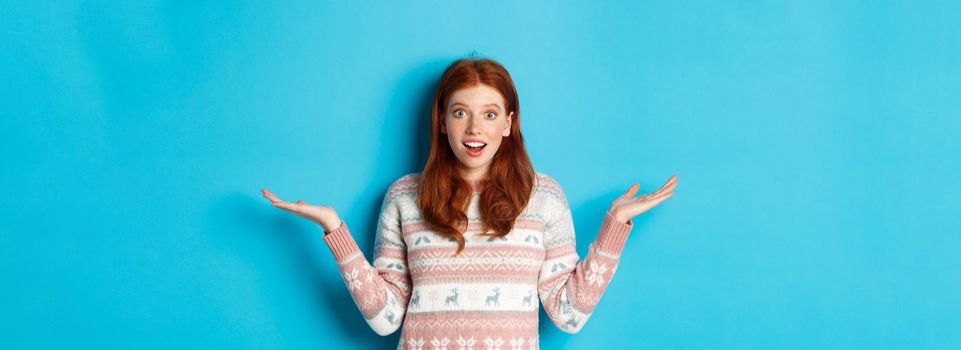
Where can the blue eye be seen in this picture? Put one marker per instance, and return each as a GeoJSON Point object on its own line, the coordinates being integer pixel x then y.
{"type": "Point", "coordinates": [458, 111]}
{"type": "Point", "coordinates": [492, 115]}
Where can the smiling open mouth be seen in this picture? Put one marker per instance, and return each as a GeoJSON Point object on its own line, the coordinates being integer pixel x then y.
{"type": "Point", "coordinates": [476, 146]}
{"type": "Point", "coordinates": [475, 149]}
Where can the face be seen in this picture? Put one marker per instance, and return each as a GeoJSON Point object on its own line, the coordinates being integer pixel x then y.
{"type": "Point", "coordinates": [476, 116]}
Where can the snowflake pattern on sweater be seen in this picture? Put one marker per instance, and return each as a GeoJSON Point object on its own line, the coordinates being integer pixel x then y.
{"type": "Point", "coordinates": [483, 298]}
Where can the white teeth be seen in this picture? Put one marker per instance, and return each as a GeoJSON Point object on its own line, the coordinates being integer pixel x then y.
{"type": "Point", "coordinates": [475, 144]}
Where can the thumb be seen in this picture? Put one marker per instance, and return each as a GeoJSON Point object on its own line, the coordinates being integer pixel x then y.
{"type": "Point", "coordinates": [632, 191]}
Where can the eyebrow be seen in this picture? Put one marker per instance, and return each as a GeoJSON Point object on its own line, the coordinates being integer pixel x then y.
{"type": "Point", "coordinates": [489, 104]}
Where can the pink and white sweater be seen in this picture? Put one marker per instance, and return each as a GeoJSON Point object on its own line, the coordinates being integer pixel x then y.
{"type": "Point", "coordinates": [488, 296]}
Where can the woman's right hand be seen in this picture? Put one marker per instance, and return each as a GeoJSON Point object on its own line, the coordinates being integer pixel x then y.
{"type": "Point", "coordinates": [326, 217]}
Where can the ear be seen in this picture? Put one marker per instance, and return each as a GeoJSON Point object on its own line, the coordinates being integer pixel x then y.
{"type": "Point", "coordinates": [507, 125]}
{"type": "Point", "coordinates": [443, 128]}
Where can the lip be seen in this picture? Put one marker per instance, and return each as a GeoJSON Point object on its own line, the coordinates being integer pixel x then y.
{"type": "Point", "coordinates": [473, 153]}
{"type": "Point", "coordinates": [476, 153]}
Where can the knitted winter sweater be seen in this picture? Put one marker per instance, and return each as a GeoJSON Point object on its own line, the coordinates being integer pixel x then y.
{"type": "Point", "coordinates": [488, 296]}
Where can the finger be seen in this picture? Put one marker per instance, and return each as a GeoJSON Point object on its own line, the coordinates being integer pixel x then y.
{"type": "Point", "coordinates": [662, 197]}
{"type": "Point", "coordinates": [644, 197]}
{"type": "Point", "coordinates": [654, 197]}
{"type": "Point", "coordinates": [286, 206]}
{"type": "Point", "coordinates": [631, 191]}
{"type": "Point", "coordinates": [669, 195]}
{"type": "Point", "coordinates": [654, 203]}
{"type": "Point", "coordinates": [667, 187]}
{"type": "Point", "coordinates": [671, 179]}
{"type": "Point", "coordinates": [670, 182]}
{"type": "Point", "coordinates": [670, 187]}
{"type": "Point", "coordinates": [656, 193]}
{"type": "Point", "coordinates": [300, 201]}
{"type": "Point", "coordinates": [270, 196]}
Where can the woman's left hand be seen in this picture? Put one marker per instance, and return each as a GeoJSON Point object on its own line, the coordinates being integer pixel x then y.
{"type": "Point", "coordinates": [627, 206]}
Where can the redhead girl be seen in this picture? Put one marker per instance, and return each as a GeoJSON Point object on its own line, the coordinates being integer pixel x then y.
{"type": "Point", "coordinates": [468, 249]}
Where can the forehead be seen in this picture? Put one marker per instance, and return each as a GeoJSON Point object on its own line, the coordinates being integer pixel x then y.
{"type": "Point", "coordinates": [476, 96]}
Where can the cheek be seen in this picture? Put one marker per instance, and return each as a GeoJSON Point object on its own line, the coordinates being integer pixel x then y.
{"type": "Point", "coordinates": [496, 137]}
{"type": "Point", "coordinates": [494, 133]}
{"type": "Point", "coordinates": [496, 130]}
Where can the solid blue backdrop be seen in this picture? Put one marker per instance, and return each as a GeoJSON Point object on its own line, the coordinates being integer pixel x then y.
{"type": "Point", "coordinates": [816, 145]}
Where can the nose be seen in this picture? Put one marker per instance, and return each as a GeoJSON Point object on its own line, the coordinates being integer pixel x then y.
{"type": "Point", "coordinates": [472, 126]}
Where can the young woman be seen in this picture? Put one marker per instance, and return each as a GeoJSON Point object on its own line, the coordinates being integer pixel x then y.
{"type": "Point", "coordinates": [467, 249]}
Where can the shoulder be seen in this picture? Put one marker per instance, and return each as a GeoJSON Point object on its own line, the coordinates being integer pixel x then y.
{"type": "Point", "coordinates": [404, 184]}
{"type": "Point", "coordinates": [545, 180]}
{"type": "Point", "coordinates": [546, 185]}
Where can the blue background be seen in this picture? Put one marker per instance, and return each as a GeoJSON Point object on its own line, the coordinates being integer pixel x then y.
{"type": "Point", "coordinates": [816, 145]}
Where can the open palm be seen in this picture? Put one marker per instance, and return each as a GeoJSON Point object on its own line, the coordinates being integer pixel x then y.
{"type": "Point", "coordinates": [627, 206]}
{"type": "Point", "coordinates": [322, 215]}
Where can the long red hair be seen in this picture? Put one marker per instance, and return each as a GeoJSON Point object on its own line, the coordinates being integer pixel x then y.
{"type": "Point", "coordinates": [443, 195]}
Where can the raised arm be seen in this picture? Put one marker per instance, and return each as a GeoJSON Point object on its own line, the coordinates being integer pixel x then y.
{"type": "Point", "coordinates": [381, 291]}
{"type": "Point", "coordinates": [569, 287]}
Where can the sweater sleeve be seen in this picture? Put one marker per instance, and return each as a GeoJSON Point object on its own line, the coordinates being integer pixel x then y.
{"type": "Point", "coordinates": [569, 287]}
{"type": "Point", "coordinates": [382, 290]}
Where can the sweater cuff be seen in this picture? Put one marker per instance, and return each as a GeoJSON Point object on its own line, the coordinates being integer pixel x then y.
{"type": "Point", "coordinates": [341, 243]}
{"type": "Point", "coordinates": [613, 234]}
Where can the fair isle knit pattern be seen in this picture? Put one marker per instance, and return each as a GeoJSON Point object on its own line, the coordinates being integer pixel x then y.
{"type": "Point", "coordinates": [488, 296]}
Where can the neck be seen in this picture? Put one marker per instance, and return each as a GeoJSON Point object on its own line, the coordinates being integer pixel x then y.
{"type": "Point", "coordinates": [478, 185]}
{"type": "Point", "coordinates": [477, 178]}
{"type": "Point", "coordinates": [474, 174]}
